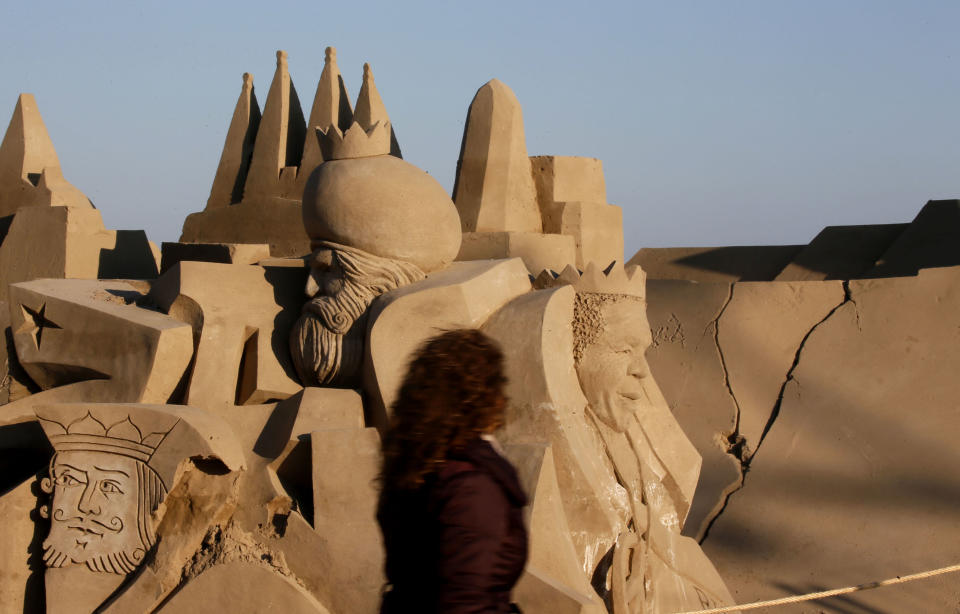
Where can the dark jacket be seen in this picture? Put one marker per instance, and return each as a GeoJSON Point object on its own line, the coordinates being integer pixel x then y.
{"type": "Point", "coordinates": [458, 544]}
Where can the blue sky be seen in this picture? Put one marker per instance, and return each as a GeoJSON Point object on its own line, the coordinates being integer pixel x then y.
{"type": "Point", "coordinates": [718, 123]}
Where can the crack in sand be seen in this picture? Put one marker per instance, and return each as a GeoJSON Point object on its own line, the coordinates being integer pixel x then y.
{"type": "Point", "coordinates": [737, 445]}
{"type": "Point", "coordinates": [732, 442]}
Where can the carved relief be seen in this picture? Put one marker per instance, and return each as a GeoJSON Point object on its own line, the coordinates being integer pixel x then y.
{"type": "Point", "coordinates": [375, 223]}
{"type": "Point", "coordinates": [113, 464]}
{"type": "Point", "coordinates": [104, 492]}
{"type": "Point", "coordinates": [327, 341]}
{"type": "Point", "coordinates": [650, 566]}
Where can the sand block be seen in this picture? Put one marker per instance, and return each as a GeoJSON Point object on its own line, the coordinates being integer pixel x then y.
{"type": "Point", "coordinates": [242, 354]}
{"type": "Point", "coordinates": [22, 586]}
{"type": "Point", "coordinates": [930, 240]}
{"type": "Point", "coordinates": [538, 251]}
{"type": "Point", "coordinates": [761, 330]}
{"type": "Point", "coordinates": [494, 189]}
{"type": "Point", "coordinates": [321, 409]}
{"type": "Point", "coordinates": [69, 331]}
{"type": "Point", "coordinates": [686, 363]}
{"type": "Point", "coordinates": [841, 252]}
{"type": "Point", "coordinates": [855, 462]}
{"type": "Point", "coordinates": [279, 224]}
{"type": "Point", "coordinates": [734, 263]}
{"type": "Point", "coordinates": [226, 253]}
{"type": "Point", "coordinates": [71, 243]}
{"type": "Point", "coordinates": [551, 549]}
{"type": "Point", "coordinates": [596, 228]}
{"type": "Point", "coordinates": [345, 466]}
{"type": "Point", "coordinates": [461, 296]}
{"type": "Point", "coordinates": [244, 588]}
{"type": "Point", "coordinates": [568, 179]}
{"type": "Point", "coordinates": [77, 590]}
{"type": "Point", "coordinates": [267, 429]}
{"type": "Point", "coordinates": [538, 593]}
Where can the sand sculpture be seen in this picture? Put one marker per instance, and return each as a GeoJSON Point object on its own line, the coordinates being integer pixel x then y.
{"type": "Point", "coordinates": [204, 431]}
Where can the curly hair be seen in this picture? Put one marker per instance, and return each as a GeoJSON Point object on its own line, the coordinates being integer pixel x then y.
{"type": "Point", "coordinates": [452, 392]}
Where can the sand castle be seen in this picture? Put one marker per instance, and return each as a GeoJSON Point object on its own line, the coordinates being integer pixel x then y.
{"type": "Point", "coordinates": [198, 427]}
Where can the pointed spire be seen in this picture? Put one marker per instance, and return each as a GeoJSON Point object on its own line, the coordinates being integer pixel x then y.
{"type": "Point", "coordinates": [27, 147]}
{"type": "Point", "coordinates": [331, 107]}
{"type": "Point", "coordinates": [280, 137]}
{"type": "Point", "coordinates": [494, 189]}
{"type": "Point", "coordinates": [237, 149]}
{"type": "Point", "coordinates": [27, 156]}
{"type": "Point", "coordinates": [370, 109]}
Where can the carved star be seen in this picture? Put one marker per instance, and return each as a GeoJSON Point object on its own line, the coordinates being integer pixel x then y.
{"type": "Point", "coordinates": [34, 322]}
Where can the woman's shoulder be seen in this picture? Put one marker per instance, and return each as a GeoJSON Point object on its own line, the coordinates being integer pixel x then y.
{"type": "Point", "coordinates": [481, 470]}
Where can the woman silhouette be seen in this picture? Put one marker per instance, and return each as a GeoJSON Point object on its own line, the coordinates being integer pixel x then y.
{"type": "Point", "coordinates": [451, 507]}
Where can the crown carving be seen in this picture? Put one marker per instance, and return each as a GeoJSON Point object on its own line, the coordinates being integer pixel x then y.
{"type": "Point", "coordinates": [367, 133]}
{"type": "Point", "coordinates": [90, 434]}
{"type": "Point", "coordinates": [615, 279]}
{"type": "Point", "coordinates": [356, 142]}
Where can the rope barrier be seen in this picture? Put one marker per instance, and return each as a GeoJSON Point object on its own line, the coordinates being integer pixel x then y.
{"type": "Point", "coordinates": [830, 593]}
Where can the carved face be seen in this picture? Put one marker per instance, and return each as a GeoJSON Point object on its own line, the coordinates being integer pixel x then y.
{"type": "Point", "coordinates": [614, 367]}
{"type": "Point", "coordinates": [326, 274]}
{"type": "Point", "coordinates": [327, 342]}
{"type": "Point", "coordinates": [95, 512]}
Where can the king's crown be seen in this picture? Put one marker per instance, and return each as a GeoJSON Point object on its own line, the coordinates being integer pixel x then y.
{"type": "Point", "coordinates": [615, 279]}
{"type": "Point", "coordinates": [370, 132]}
{"type": "Point", "coordinates": [357, 142]}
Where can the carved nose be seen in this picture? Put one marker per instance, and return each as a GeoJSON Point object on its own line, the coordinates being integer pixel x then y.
{"type": "Point", "coordinates": [639, 368]}
{"type": "Point", "coordinates": [87, 504]}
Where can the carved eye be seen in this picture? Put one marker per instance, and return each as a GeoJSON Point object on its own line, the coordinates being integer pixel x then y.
{"type": "Point", "coordinates": [67, 480]}
{"type": "Point", "coordinates": [110, 488]}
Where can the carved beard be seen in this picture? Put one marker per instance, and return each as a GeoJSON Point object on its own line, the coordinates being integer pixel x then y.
{"type": "Point", "coordinates": [102, 544]}
{"type": "Point", "coordinates": [327, 340]}
{"type": "Point", "coordinates": [59, 549]}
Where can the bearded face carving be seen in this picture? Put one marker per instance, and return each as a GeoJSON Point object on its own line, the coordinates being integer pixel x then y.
{"type": "Point", "coordinates": [327, 341]}
{"type": "Point", "coordinates": [100, 515]}
{"type": "Point", "coordinates": [104, 489]}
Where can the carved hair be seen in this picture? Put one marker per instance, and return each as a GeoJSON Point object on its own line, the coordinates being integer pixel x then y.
{"type": "Point", "coordinates": [588, 321]}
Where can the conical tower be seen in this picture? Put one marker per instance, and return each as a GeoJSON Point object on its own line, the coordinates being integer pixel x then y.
{"type": "Point", "coordinates": [494, 189]}
{"type": "Point", "coordinates": [331, 107]}
{"type": "Point", "coordinates": [370, 109]}
{"type": "Point", "coordinates": [29, 168]}
{"type": "Point", "coordinates": [279, 143]}
{"type": "Point", "coordinates": [237, 149]}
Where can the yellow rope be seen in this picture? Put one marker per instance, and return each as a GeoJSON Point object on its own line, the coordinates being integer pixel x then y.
{"type": "Point", "coordinates": [830, 593]}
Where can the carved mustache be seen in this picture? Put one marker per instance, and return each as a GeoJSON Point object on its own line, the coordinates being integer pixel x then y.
{"type": "Point", "coordinates": [89, 524]}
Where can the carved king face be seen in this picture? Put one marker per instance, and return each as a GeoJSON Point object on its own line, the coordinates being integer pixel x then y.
{"type": "Point", "coordinates": [614, 367]}
{"type": "Point", "coordinates": [95, 510]}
